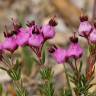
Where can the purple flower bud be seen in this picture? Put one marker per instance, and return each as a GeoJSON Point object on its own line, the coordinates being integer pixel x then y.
{"type": "Point", "coordinates": [92, 36]}
{"type": "Point", "coordinates": [74, 51]}
{"type": "Point", "coordinates": [58, 54]}
{"type": "Point", "coordinates": [53, 22]}
{"type": "Point", "coordinates": [22, 37]}
{"type": "Point", "coordinates": [48, 31]}
{"type": "Point", "coordinates": [85, 27]}
{"type": "Point", "coordinates": [10, 44]}
{"type": "Point", "coordinates": [30, 24]}
{"type": "Point", "coordinates": [7, 33]}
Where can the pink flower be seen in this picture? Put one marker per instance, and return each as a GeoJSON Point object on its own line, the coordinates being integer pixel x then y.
{"type": "Point", "coordinates": [85, 27]}
{"type": "Point", "coordinates": [74, 50]}
{"type": "Point", "coordinates": [10, 44]}
{"type": "Point", "coordinates": [58, 54]}
{"type": "Point", "coordinates": [49, 30]}
{"type": "Point", "coordinates": [92, 36]}
{"type": "Point", "coordinates": [36, 39]}
{"type": "Point", "coordinates": [31, 29]}
{"type": "Point", "coordinates": [22, 37]}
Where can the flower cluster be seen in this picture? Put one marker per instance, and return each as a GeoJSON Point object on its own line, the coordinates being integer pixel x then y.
{"type": "Point", "coordinates": [32, 35]}
{"type": "Point", "coordinates": [87, 29]}
{"type": "Point", "coordinates": [73, 51]}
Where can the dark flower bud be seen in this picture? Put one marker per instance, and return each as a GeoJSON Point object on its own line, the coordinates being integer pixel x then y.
{"type": "Point", "coordinates": [30, 24]}
{"type": "Point", "coordinates": [83, 18]}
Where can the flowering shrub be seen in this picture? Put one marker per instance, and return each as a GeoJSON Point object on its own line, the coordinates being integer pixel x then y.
{"type": "Point", "coordinates": [35, 37]}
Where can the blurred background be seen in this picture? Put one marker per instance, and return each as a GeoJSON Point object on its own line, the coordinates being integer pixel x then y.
{"type": "Point", "coordinates": [67, 12]}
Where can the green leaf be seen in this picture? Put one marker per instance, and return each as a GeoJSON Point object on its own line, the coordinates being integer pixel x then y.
{"type": "Point", "coordinates": [1, 88]}
{"type": "Point", "coordinates": [21, 92]}
{"type": "Point", "coordinates": [47, 89]}
{"type": "Point", "coordinates": [35, 60]}
{"type": "Point", "coordinates": [15, 72]}
{"type": "Point", "coordinates": [68, 81]}
{"type": "Point", "coordinates": [68, 92]}
{"type": "Point", "coordinates": [83, 78]}
{"type": "Point", "coordinates": [28, 60]}
{"type": "Point", "coordinates": [43, 55]}
{"type": "Point", "coordinates": [46, 73]}
{"type": "Point", "coordinates": [80, 67]}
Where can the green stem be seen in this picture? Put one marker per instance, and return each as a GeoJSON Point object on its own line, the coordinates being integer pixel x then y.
{"type": "Point", "coordinates": [68, 81]}
{"type": "Point", "coordinates": [76, 68]}
{"type": "Point", "coordinates": [3, 69]}
{"type": "Point", "coordinates": [71, 65]}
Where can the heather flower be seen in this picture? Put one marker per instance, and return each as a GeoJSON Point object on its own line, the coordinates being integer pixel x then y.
{"type": "Point", "coordinates": [10, 44]}
{"type": "Point", "coordinates": [10, 41]}
{"type": "Point", "coordinates": [85, 27]}
{"type": "Point", "coordinates": [22, 37]}
{"type": "Point", "coordinates": [36, 39]}
{"type": "Point", "coordinates": [58, 54]}
{"type": "Point", "coordinates": [74, 50]}
{"type": "Point", "coordinates": [31, 29]}
{"type": "Point", "coordinates": [92, 36]}
{"type": "Point", "coordinates": [49, 30]}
